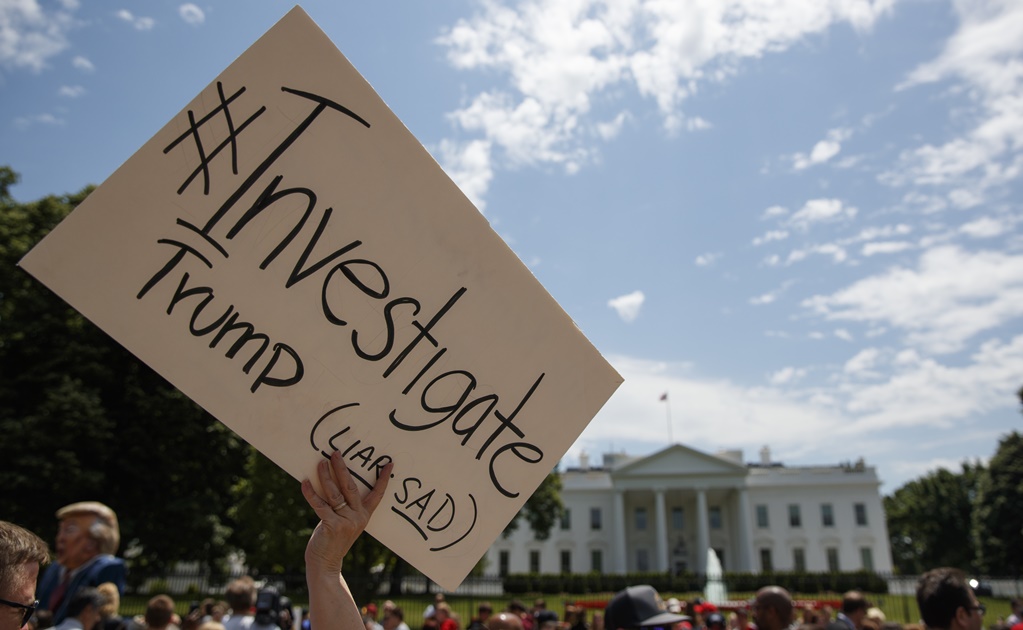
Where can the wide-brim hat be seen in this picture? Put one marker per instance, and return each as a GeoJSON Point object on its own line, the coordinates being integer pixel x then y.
{"type": "Point", "coordinates": [638, 607]}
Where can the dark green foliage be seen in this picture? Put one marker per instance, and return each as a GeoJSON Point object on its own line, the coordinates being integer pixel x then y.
{"type": "Point", "coordinates": [542, 509]}
{"type": "Point", "coordinates": [82, 419]}
{"type": "Point", "coordinates": [930, 519]}
{"type": "Point", "coordinates": [998, 517]}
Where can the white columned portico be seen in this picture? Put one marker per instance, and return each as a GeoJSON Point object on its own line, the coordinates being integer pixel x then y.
{"type": "Point", "coordinates": [619, 533]}
{"type": "Point", "coordinates": [661, 531]}
{"type": "Point", "coordinates": [702, 533]}
{"type": "Point", "coordinates": [745, 533]}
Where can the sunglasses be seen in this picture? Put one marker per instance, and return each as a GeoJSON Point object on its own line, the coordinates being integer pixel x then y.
{"type": "Point", "coordinates": [29, 610]}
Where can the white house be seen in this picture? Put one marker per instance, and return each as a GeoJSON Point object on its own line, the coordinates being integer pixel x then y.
{"type": "Point", "coordinates": [664, 511]}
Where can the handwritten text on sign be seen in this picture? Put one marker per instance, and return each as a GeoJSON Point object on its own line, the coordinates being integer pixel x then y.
{"type": "Point", "coordinates": [288, 255]}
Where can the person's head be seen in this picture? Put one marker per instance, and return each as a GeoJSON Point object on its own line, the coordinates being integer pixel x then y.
{"type": "Point", "coordinates": [855, 606]}
{"type": "Point", "coordinates": [211, 625]}
{"type": "Point", "coordinates": [715, 621]}
{"type": "Point", "coordinates": [484, 610]}
{"type": "Point", "coordinates": [111, 600]}
{"type": "Point", "coordinates": [84, 606]}
{"type": "Point", "coordinates": [946, 601]}
{"type": "Point", "coordinates": [159, 612]}
{"type": "Point", "coordinates": [505, 621]}
{"type": "Point", "coordinates": [638, 607]}
{"type": "Point", "coordinates": [517, 607]}
{"type": "Point", "coordinates": [1017, 605]}
{"type": "Point", "coordinates": [241, 595]}
{"type": "Point", "coordinates": [443, 611]}
{"type": "Point", "coordinates": [393, 616]}
{"type": "Point", "coordinates": [772, 608]}
{"type": "Point", "coordinates": [85, 530]}
{"type": "Point", "coordinates": [21, 555]}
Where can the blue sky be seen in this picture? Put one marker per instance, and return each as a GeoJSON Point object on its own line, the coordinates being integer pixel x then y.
{"type": "Point", "coordinates": [799, 218]}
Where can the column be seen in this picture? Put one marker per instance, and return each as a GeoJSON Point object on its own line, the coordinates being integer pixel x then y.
{"type": "Point", "coordinates": [702, 533]}
{"type": "Point", "coordinates": [745, 534]}
{"type": "Point", "coordinates": [619, 533]}
{"type": "Point", "coordinates": [661, 531]}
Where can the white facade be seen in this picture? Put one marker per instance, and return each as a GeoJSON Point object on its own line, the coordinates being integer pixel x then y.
{"type": "Point", "coordinates": [663, 512]}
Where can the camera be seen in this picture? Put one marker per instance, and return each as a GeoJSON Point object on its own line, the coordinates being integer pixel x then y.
{"type": "Point", "coordinates": [268, 606]}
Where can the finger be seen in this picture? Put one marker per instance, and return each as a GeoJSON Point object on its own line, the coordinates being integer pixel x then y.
{"type": "Point", "coordinates": [314, 500]}
{"type": "Point", "coordinates": [347, 487]}
{"type": "Point", "coordinates": [332, 493]}
{"type": "Point", "coordinates": [372, 500]}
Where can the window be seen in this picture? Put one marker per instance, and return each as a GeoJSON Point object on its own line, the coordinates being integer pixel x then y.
{"type": "Point", "coordinates": [642, 560]}
{"type": "Point", "coordinates": [677, 518]}
{"type": "Point", "coordinates": [762, 522]}
{"type": "Point", "coordinates": [833, 560]}
{"type": "Point", "coordinates": [795, 520]}
{"type": "Point", "coordinates": [861, 514]}
{"type": "Point", "coordinates": [765, 560]}
{"type": "Point", "coordinates": [641, 519]}
{"type": "Point", "coordinates": [715, 517]}
{"type": "Point", "coordinates": [867, 558]}
{"type": "Point", "coordinates": [534, 561]}
{"type": "Point", "coordinates": [566, 561]}
{"type": "Point", "coordinates": [595, 518]}
{"type": "Point", "coordinates": [502, 563]}
{"type": "Point", "coordinates": [596, 560]}
{"type": "Point", "coordinates": [798, 559]}
{"type": "Point", "coordinates": [827, 515]}
{"type": "Point", "coordinates": [566, 519]}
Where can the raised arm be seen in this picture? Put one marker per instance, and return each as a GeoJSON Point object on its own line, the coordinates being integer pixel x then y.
{"type": "Point", "coordinates": [343, 516]}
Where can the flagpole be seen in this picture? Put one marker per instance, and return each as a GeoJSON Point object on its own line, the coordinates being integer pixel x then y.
{"type": "Point", "coordinates": [667, 401]}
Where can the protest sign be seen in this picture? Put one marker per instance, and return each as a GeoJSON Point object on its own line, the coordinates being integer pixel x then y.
{"type": "Point", "coordinates": [288, 255]}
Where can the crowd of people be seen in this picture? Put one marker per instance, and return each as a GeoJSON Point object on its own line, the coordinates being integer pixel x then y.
{"type": "Point", "coordinates": [81, 589]}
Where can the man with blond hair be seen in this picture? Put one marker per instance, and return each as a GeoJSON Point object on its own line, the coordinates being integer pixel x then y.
{"type": "Point", "coordinates": [87, 538]}
{"type": "Point", "coordinates": [21, 555]}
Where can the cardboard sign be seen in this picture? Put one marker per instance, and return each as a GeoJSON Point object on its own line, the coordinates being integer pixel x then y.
{"type": "Point", "coordinates": [288, 255]}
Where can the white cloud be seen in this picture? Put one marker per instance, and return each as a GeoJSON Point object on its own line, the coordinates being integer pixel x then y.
{"type": "Point", "coordinates": [469, 166]}
{"type": "Point", "coordinates": [837, 253]}
{"type": "Point", "coordinates": [986, 227]}
{"type": "Point", "coordinates": [787, 375]}
{"type": "Point", "coordinates": [774, 212]}
{"type": "Point", "coordinates": [32, 33]}
{"type": "Point", "coordinates": [823, 151]}
{"type": "Point", "coordinates": [863, 362]}
{"type": "Point", "coordinates": [191, 14]}
{"type": "Point", "coordinates": [819, 211]}
{"type": "Point", "coordinates": [771, 296]}
{"type": "Point", "coordinates": [772, 235]}
{"type": "Point", "coordinates": [24, 122]}
{"type": "Point", "coordinates": [843, 334]}
{"type": "Point", "coordinates": [951, 296]}
{"type": "Point", "coordinates": [885, 247]}
{"type": "Point", "coordinates": [984, 55]}
{"type": "Point", "coordinates": [138, 22]}
{"type": "Point", "coordinates": [71, 91]}
{"type": "Point", "coordinates": [82, 64]}
{"type": "Point", "coordinates": [628, 306]}
{"type": "Point", "coordinates": [610, 129]}
{"type": "Point", "coordinates": [708, 259]}
{"type": "Point", "coordinates": [559, 58]}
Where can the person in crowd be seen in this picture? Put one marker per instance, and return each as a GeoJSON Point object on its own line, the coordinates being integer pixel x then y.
{"type": "Point", "coordinates": [1016, 604]}
{"type": "Point", "coordinates": [575, 618]}
{"type": "Point", "coordinates": [109, 611]}
{"type": "Point", "coordinates": [715, 621]}
{"type": "Point", "coordinates": [638, 607]}
{"type": "Point", "coordinates": [241, 598]}
{"type": "Point", "coordinates": [483, 613]}
{"type": "Point", "coordinates": [742, 619]}
{"type": "Point", "coordinates": [947, 602]}
{"type": "Point", "coordinates": [211, 625]}
{"type": "Point", "coordinates": [370, 611]}
{"type": "Point", "coordinates": [853, 612]}
{"type": "Point", "coordinates": [343, 514]}
{"type": "Point", "coordinates": [394, 618]}
{"type": "Point", "coordinates": [516, 607]}
{"type": "Point", "coordinates": [82, 611]}
{"type": "Point", "coordinates": [772, 608]}
{"type": "Point", "coordinates": [446, 619]}
{"type": "Point", "coordinates": [432, 608]}
{"type": "Point", "coordinates": [506, 621]}
{"type": "Point", "coordinates": [542, 615]}
{"type": "Point", "coordinates": [87, 539]}
{"type": "Point", "coordinates": [160, 613]}
{"type": "Point", "coordinates": [22, 553]}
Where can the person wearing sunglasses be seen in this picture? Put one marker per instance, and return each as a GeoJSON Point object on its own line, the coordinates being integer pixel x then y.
{"type": "Point", "coordinates": [947, 602]}
{"type": "Point", "coordinates": [21, 555]}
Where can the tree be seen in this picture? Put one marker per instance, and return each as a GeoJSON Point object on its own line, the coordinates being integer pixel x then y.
{"type": "Point", "coordinates": [998, 518]}
{"type": "Point", "coordinates": [81, 418]}
{"type": "Point", "coordinates": [542, 509]}
{"type": "Point", "coordinates": [929, 520]}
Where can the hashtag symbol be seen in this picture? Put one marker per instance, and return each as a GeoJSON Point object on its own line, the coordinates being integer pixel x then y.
{"type": "Point", "coordinates": [230, 141]}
